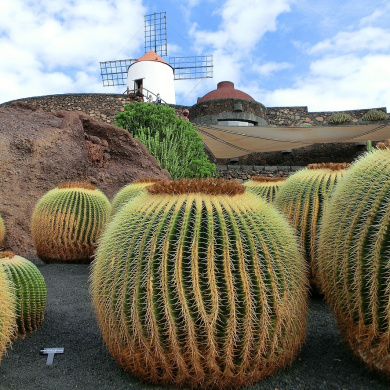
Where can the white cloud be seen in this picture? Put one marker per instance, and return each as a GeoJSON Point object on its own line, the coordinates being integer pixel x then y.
{"type": "Point", "coordinates": [53, 45]}
{"type": "Point", "coordinates": [269, 68]}
{"type": "Point", "coordinates": [367, 39]}
{"type": "Point", "coordinates": [243, 24]}
{"type": "Point", "coordinates": [343, 83]}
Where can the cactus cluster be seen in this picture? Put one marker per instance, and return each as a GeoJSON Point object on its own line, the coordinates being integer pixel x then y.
{"type": "Point", "coordinates": [30, 291]}
{"type": "Point", "coordinates": [7, 313]}
{"type": "Point", "coordinates": [339, 117]}
{"type": "Point", "coordinates": [67, 221]}
{"type": "Point", "coordinates": [2, 230]}
{"type": "Point", "coordinates": [375, 115]}
{"type": "Point", "coordinates": [354, 257]}
{"type": "Point", "coordinates": [265, 187]}
{"type": "Point", "coordinates": [199, 284]}
{"type": "Point", "coordinates": [302, 199]}
{"type": "Point", "coordinates": [129, 192]}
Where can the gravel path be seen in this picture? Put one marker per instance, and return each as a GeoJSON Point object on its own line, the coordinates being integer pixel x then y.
{"type": "Point", "coordinates": [323, 363]}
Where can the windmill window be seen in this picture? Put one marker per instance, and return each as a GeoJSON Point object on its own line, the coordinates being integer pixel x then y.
{"type": "Point", "coordinates": [138, 85]}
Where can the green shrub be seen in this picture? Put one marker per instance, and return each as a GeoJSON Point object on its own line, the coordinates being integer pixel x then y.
{"type": "Point", "coordinates": [174, 142]}
{"type": "Point", "coordinates": [199, 284]}
{"type": "Point", "coordinates": [339, 117]}
{"type": "Point", "coordinates": [375, 115]}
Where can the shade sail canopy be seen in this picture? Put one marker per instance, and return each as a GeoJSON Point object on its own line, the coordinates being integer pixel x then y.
{"type": "Point", "coordinates": [232, 141]}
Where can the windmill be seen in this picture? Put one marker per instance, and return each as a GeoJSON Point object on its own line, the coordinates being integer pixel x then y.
{"type": "Point", "coordinates": [151, 75]}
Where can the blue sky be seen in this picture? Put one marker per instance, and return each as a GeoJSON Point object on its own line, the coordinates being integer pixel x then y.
{"type": "Point", "coordinates": [324, 54]}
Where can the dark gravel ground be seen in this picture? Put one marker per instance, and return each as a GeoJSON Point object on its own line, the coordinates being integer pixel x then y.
{"type": "Point", "coordinates": [323, 363]}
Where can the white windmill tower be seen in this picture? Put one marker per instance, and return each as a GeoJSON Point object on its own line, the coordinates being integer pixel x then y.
{"type": "Point", "coordinates": [150, 74]}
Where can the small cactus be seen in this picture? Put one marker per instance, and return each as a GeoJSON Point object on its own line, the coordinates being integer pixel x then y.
{"type": "Point", "coordinates": [2, 230]}
{"type": "Point", "coordinates": [339, 117]}
{"type": "Point", "coordinates": [375, 115]}
{"type": "Point", "coordinates": [302, 199]}
{"type": "Point", "coordinates": [199, 284]}
{"type": "Point", "coordinates": [354, 258]}
{"type": "Point", "coordinates": [67, 221]}
{"type": "Point", "coordinates": [265, 187]}
{"type": "Point", "coordinates": [129, 192]}
{"type": "Point", "coordinates": [30, 291]}
{"type": "Point", "coordinates": [7, 313]}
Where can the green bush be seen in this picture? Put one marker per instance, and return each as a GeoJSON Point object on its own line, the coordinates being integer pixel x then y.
{"type": "Point", "coordinates": [172, 141]}
{"type": "Point", "coordinates": [375, 115]}
{"type": "Point", "coordinates": [339, 117]}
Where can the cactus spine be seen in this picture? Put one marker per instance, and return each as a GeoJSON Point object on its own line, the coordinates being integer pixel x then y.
{"type": "Point", "coordinates": [7, 313]}
{"type": "Point", "coordinates": [198, 284]}
{"type": "Point", "coordinates": [67, 221]}
{"type": "Point", "coordinates": [30, 291]}
{"type": "Point", "coordinates": [129, 192]}
{"type": "Point", "coordinates": [353, 258]}
{"type": "Point", "coordinates": [302, 199]}
{"type": "Point", "coordinates": [265, 187]}
{"type": "Point", "coordinates": [2, 230]}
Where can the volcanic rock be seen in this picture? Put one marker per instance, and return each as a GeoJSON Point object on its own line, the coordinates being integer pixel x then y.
{"type": "Point", "coordinates": [39, 150]}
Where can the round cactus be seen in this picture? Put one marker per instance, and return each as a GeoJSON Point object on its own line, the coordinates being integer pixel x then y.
{"type": "Point", "coordinates": [302, 199]}
{"type": "Point", "coordinates": [265, 187]}
{"type": "Point", "coordinates": [7, 313]}
{"type": "Point", "coordinates": [30, 291]}
{"type": "Point", "coordinates": [2, 230]}
{"type": "Point", "coordinates": [129, 192]}
{"type": "Point", "coordinates": [199, 284]}
{"type": "Point", "coordinates": [354, 258]}
{"type": "Point", "coordinates": [67, 221]}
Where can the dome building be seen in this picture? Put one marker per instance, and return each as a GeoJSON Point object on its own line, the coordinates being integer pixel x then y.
{"type": "Point", "coordinates": [227, 106]}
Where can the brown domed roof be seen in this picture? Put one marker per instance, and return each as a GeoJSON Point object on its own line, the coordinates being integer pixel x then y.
{"type": "Point", "coordinates": [225, 90]}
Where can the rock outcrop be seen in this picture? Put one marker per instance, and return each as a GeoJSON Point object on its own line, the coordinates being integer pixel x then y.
{"type": "Point", "coordinates": [39, 150]}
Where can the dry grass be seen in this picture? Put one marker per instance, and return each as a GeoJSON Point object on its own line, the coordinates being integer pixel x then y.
{"type": "Point", "coordinates": [6, 254]}
{"type": "Point", "coordinates": [264, 179]}
{"type": "Point", "coordinates": [147, 180]}
{"type": "Point", "coordinates": [77, 184]}
{"type": "Point", "coordinates": [331, 166]}
{"type": "Point", "coordinates": [208, 186]}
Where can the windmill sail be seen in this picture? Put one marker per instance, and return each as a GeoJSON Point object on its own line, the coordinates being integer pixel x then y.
{"type": "Point", "coordinates": [115, 72]}
{"type": "Point", "coordinates": [156, 33]}
{"type": "Point", "coordinates": [193, 67]}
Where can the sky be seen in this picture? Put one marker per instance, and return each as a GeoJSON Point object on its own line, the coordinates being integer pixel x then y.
{"type": "Point", "coordinates": [328, 55]}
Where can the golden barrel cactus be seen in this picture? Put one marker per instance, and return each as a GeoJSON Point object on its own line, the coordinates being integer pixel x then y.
{"type": "Point", "coordinates": [354, 258]}
{"type": "Point", "coordinates": [265, 187]}
{"type": "Point", "coordinates": [7, 313]}
{"type": "Point", "coordinates": [67, 221]}
{"type": "Point", "coordinates": [2, 230]}
{"type": "Point", "coordinates": [199, 284]}
{"type": "Point", "coordinates": [30, 291]}
{"type": "Point", "coordinates": [129, 192]}
{"type": "Point", "coordinates": [302, 199]}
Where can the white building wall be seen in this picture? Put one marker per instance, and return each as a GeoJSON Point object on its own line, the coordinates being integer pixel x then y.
{"type": "Point", "coordinates": [157, 78]}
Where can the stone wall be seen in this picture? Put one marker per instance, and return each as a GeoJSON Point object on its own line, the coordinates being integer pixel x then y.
{"type": "Point", "coordinates": [100, 106]}
{"type": "Point", "coordinates": [104, 107]}
{"type": "Point", "coordinates": [316, 153]}
{"type": "Point", "coordinates": [245, 172]}
{"type": "Point", "coordinates": [300, 116]}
